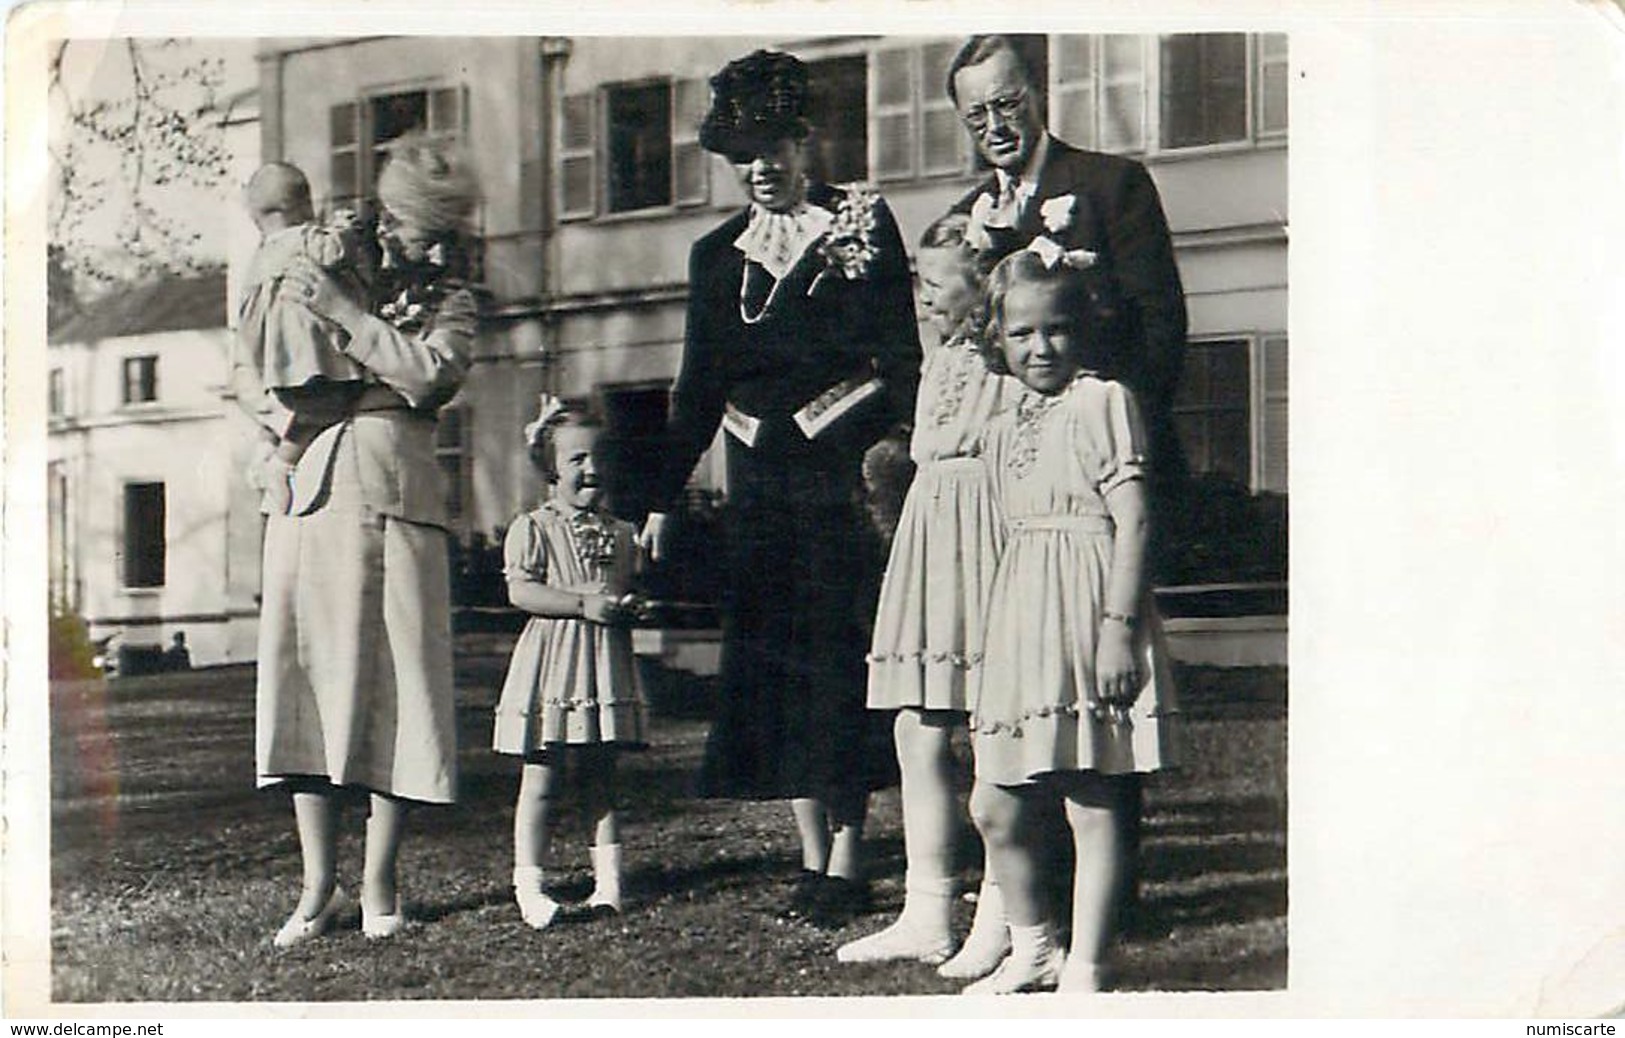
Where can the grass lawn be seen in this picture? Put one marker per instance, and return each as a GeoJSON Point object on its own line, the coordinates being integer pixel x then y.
{"type": "Point", "coordinates": [170, 871]}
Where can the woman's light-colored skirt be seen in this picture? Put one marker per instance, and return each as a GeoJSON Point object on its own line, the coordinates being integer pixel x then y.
{"type": "Point", "coordinates": [928, 632]}
{"type": "Point", "coordinates": [1030, 705]}
{"type": "Point", "coordinates": [354, 683]}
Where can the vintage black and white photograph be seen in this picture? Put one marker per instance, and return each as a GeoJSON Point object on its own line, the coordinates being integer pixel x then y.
{"type": "Point", "coordinates": [592, 516]}
{"type": "Point", "coordinates": [550, 512]}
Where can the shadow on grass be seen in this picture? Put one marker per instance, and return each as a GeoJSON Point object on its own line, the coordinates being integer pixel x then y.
{"type": "Point", "coordinates": [170, 870]}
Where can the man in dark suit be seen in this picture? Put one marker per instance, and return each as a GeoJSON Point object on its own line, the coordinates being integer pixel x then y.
{"type": "Point", "coordinates": [1096, 209]}
{"type": "Point", "coordinates": [1105, 205]}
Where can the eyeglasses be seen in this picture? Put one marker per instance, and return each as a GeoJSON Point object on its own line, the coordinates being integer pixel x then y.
{"type": "Point", "coordinates": [1008, 107]}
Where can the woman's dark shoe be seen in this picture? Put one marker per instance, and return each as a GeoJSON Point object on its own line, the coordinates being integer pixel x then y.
{"type": "Point", "coordinates": [804, 895]}
{"type": "Point", "coordinates": [839, 901]}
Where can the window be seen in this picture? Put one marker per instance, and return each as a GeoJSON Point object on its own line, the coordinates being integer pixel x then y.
{"type": "Point", "coordinates": [144, 535]}
{"type": "Point", "coordinates": [1231, 410]}
{"type": "Point", "coordinates": [451, 454]}
{"type": "Point", "coordinates": [140, 380]}
{"type": "Point", "coordinates": [1211, 409]}
{"type": "Point", "coordinates": [914, 127]}
{"type": "Point", "coordinates": [638, 120]}
{"type": "Point", "coordinates": [632, 146]}
{"type": "Point", "coordinates": [1204, 89]}
{"type": "Point", "coordinates": [1217, 88]}
{"type": "Point", "coordinates": [359, 133]}
{"type": "Point", "coordinates": [838, 111]}
{"type": "Point", "coordinates": [56, 394]}
{"type": "Point", "coordinates": [636, 426]}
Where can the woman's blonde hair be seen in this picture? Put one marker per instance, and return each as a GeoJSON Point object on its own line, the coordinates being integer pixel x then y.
{"type": "Point", "coordinates": [430, 183]}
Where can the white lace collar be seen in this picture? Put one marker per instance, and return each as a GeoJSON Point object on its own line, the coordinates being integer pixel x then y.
{"type": "Point", "coordinates": [778, 240]}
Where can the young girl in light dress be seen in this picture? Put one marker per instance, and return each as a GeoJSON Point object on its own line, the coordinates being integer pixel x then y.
{"type": "Point", "coordinates": [572, 692]}
{"type": "Point", "coordinates": [1074, 690]}
{"type": "Point", "coordinates": [928, 628]}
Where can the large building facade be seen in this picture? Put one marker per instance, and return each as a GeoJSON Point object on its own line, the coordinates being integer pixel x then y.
{"type": "Point", "coordinates": [596, 186]}
{"type": "Point", "coordinates": [154, 530]}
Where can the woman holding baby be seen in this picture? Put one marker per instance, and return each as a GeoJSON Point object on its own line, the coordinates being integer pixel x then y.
{"type": "Point", "coordinates": [354, 685]}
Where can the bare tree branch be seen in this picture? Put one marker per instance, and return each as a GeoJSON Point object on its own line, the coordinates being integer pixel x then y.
{"type": "Point", "coordinates": [164, 131]}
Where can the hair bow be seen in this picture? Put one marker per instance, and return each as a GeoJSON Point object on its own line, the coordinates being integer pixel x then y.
{"type": "Point", "coordinates": [1052, 252]}
{"type": "Point", "coordinates": [548, 410]}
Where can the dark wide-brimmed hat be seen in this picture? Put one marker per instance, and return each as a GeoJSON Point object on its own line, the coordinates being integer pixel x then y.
{"type": "Point", "coordinates": [756, 102]}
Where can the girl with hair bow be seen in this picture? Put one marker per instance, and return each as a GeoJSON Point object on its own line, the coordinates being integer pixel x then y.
{"type": "Point", "coordinates": [572, 688]}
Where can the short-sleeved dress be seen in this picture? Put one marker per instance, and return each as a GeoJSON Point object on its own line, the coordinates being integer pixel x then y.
{"type": "Point", "coordinates": [1053, 459]}
{"type": "Point", "coordinates": [928, 626]}
{"type": "Point", "coordinates": [570, 681]}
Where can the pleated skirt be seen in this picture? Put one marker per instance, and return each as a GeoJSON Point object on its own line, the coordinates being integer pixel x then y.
{"type": "Point", "coordinates": [928, 631]}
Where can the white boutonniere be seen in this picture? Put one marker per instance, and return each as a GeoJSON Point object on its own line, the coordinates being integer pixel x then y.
{"type": "Point", "coordinates": [981, 211]}
{"type": "Point", "coordinates": [1052, 252]}
{"type": "Point", "coordinates": [1057, 213]}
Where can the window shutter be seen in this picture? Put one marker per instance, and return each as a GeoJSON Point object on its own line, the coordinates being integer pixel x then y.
{"type": "Point", "coordinates": [344, 155]}
{"type": "Point", "coordinates": [943, 147]}
{"type": "Point", "coordinates": [1072, 89]}
{"type": "Point", "coordinates": [891, 141]}
{"type": "Point", "coordinates": [1272, 412]}
{"type": "Point", "coordinates": [691, 166]}
{"type": "Point", "coordinates": [1272, 87]}
{"type": "Point", "coordinates": [448, 112]}
{"type": "Point", "coordinates": [1122, 110]}
{"type": "Point", "coordinates": [577, 177]}
{"type": "Point", "coordinates": [451, 452]}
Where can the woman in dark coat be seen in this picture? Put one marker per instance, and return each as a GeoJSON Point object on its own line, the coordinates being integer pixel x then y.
{"type": "Point", "coordinates": [802, 344]}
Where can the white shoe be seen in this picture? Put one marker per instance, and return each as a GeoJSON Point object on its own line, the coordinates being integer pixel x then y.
{"type": "Point", "coordinates": [988, 942]}
{"type": "Point", "coordinates": [979, 956]}
{"type": "Point", "coordinates": [537, 909]}
{"type": "Point", "coordinates": [1080, 978]}
{"type": "Point", "coordinates": [898, 941]}
{"type": "Point", "coordinates": [298, 929]}
{"type": "Point", "coordinates": [377, 927]}
{"type": "Point", "coordinates": [1023, 973]}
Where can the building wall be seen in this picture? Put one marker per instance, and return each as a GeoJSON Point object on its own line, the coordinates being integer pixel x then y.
{"type": "Point", "coordinates": [581, 306]}
{"type": "Point", "coordinates": [189, 443]}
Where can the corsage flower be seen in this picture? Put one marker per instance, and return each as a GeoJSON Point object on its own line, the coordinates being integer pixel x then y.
{"type": "Point", "coordinates": [847, 247]}
{"type": "Point", "coordinates": [1057, 212]}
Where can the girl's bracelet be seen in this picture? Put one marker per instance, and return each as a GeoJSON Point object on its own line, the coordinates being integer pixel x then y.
{"type": "Point", "coordinates": [1122, 618]}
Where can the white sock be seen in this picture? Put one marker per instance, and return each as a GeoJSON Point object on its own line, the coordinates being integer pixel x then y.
{"type": "Point", "coordinates": [606, 876]}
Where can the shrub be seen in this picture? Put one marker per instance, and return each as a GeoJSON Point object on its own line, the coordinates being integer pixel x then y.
{"type": "Point", "coordinates": [72, 655]}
